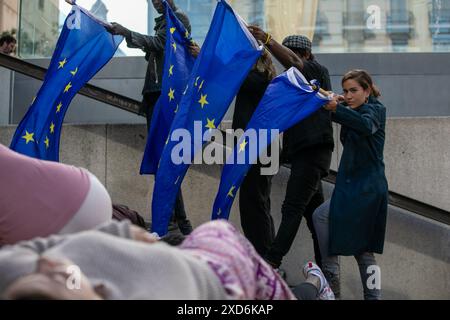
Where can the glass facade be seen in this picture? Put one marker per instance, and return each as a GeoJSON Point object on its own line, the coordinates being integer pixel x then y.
{"type": "Point", "coordinates": [38, 28]}
{"type": "Point", "coordinates": [336, 26]}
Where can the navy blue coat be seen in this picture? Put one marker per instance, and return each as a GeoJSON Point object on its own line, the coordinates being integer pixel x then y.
{"type": "Point", "coordinates": [359, 203]}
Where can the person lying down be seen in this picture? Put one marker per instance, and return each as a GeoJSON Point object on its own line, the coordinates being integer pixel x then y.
{"type": "Point", "coordinates": [119, 261]}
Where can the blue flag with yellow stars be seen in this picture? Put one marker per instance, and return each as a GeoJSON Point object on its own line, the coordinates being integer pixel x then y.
{"type": "Point", "coordinates": [288, 100]}
{"type": "Point", "coordinates": [83, 48]}
{"type": "Point", "coordinates": [228, 54]}
{"type": "Point", "coordinates": [178, 63]}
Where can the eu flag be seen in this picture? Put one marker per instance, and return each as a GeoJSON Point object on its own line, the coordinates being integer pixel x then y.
{"type": "Point", "coordinates": [288, 100]}
{"type": "Point", "coordinates": [178, 63]}
{"type": "Point", "coordinates": [228, 54]}
{"type": "Point", "coordinates": [83, 48]}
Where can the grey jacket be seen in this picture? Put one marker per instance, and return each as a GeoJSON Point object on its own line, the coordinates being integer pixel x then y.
{"type": "Point", "coordinates": [154, 46]}
{"type": "Point", "coordinates": [128, 269]}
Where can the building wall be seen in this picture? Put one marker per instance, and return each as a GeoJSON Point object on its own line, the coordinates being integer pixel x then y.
{"type": "Point", "coordinates": [5, 95]}
{"type": "Point", "coordinates": [8, 15]}
{"type": "Point", "coordinates": [411, 85]}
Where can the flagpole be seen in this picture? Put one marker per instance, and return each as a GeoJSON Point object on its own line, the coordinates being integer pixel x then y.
{"type": "Point", "coordinates": [322, 91]}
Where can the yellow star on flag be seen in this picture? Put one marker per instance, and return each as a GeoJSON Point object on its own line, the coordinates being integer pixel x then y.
{"type": "Point", "coordinates": [74, 72]}
{"type": "Point", "coordinates": [172, 30]}
{"type": "Point", "coordinates": [210, 124]}
{"type": "Point", "coordinates": [171, 70]}
{"type": "Point", "coordinates": [171, 94]}
{"type": "Point", "coordinates": [58, 107]}
{"type": "Point", "coordinates": [174, 45]}
{"type": "Point", "coordinates": [68, 87]}
{"type": "Point", "coordinates": [196, 81]}
{"type": "Point", "coordinates": [47, 142]}
{"type": "Point", "coordinates": [242, 146]}
{"type": "Point", "coordinates": [29, 137]}
{"type": "Point", "coordinates": [230, 193]}
{"type": "Point", "coordinates": [62, 63]}
{"type": "Point", "coordinates": [186, 35]}
{"type": "Point", "coordinates": [203, 100]}
{"type": "Point", "coordinates": [52, 128]}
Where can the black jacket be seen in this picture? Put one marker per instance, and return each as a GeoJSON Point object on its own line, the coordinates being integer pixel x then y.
{"type": "Point", "coordinates": [154, 46]}
{"type": "Point", "coordinates": [315, 130]}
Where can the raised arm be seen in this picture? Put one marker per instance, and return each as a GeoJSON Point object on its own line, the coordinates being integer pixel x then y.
{"type": "Point", "coordinates": [140, 41]}
{"type": "Point", "coordinates": [283, 54]}
{"type": "Point", "coordinates": [367, 121]}
{"type": "Point", "coordinates": [145, 42]}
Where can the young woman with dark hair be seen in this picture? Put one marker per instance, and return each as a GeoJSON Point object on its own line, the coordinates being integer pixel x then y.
{"type": "Point", "coordinates": [353, 222]}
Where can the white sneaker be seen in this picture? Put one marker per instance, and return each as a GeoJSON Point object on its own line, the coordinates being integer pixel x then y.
{"type": "Point", "coordinates": [325, 292]}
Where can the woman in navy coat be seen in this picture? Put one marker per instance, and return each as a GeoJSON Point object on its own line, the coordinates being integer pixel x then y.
{"type": "Point", "coordinates": [353, 222]}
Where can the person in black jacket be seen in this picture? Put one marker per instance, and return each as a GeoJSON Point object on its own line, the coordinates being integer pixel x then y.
{"type": "Point", "coordinates": [154, 46]}
{"type": "Point", "coordinates": [309, 147]}
{"type": "Point", "coordinates": [254, 193]}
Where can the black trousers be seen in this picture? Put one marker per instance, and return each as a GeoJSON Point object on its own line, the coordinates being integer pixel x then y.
{"type": "Point", "coordinates": [179, 215]}
{"type": "Point", "coordinates": [306, 291]}
{"type": "Point", "coordinates": [254, 207]}
{"type": "Point", "coordinates": [303, 195]}
{"type": "Point", "coordinates": [148, 105]}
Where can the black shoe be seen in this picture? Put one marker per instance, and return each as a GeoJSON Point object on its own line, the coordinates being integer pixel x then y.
{"type": "Point", "coordinates": [172, 226]}
{"type": "Point", "coordinates": [185, 227]}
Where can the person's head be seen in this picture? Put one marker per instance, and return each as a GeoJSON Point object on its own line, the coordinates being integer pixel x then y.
{"type": "Point", "coordinates": [301, 46]}
{"type": "Point", "coordinates": [265, 65]}
{"type": "Point", "coordinates": [159, 7]}
{"type": "Point", "coordinates": [358, 86]}
{"type": "Point", "coordinates": [7, 44]}
{"type": "Point", "coordinates": [51, 281]}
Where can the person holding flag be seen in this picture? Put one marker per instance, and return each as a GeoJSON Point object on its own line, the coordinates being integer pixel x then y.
{"type": "Point", "coordinates": [310, 145]}
{"type": "Point", "coordinates": [254, 193]}
{"type": "Point", "coordinates": [227, 56]}
{"type": "Point", "coordinates": [155, 52]}
{"type": "Point", "coordinates": [83, 48]}
{"type": "Point", "coordinates": [353, 222]}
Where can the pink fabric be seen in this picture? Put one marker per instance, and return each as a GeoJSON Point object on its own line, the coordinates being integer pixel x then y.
{"type": "Point", "coordinates": [37, 198]}
{"type": "Point", "coordinates": [243, 273]}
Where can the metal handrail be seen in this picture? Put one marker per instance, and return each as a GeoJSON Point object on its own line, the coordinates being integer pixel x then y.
{"type": "Point", "coordinates": [89, 90]}
{"type": "Point", "coordinates": [133, 106]}
{"type": "Point", "coordinates": [408, 204]}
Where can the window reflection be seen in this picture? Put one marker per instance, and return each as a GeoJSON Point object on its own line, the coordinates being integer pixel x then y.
{"type": "Point", "coordinates": [335, 26]}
